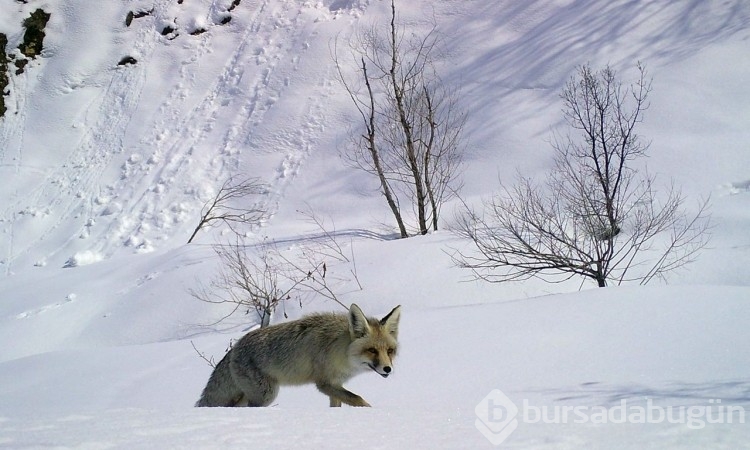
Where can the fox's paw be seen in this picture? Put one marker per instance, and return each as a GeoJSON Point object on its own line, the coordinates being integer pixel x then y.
{"type": "Point", "coordinates": [360, 402]}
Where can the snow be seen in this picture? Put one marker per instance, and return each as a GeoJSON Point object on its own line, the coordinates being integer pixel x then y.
{"type": "Point", "coordinates": [105, 169]}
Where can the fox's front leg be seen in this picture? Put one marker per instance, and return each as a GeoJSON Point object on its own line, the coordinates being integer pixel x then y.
{"type": "Point", "coordinates": [339, 395]}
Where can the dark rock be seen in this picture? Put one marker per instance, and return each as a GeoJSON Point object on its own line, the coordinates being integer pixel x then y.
{"type": "Point", "coordinates": [20, 65]}
{"type": "Point", "coordinates": [4, 81]}
{"type": "Point", "coordinates": [127, 60]}
{"type": "Point", "coordinates": [167, 30]}
{"type": "Point", "coordinates": [136, 15]}
{"type": "Point", "coordinates": [33, 38]}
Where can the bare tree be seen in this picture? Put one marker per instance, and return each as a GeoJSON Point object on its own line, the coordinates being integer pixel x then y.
{"type": "Point", "coordinates": [320, 261]}
{"type": "Point", "coordinates": [597, 215]}
{"type": "Point", "coordinates": [223, 207]}
{"type": "Point", "coordinates": [366, 144]}
{"type": "Point", "coordinates": [250, 281]}
{"type": "Point", "coordinates": [259, 278]}
{"type": "Point", "coordinates": [412, 139]}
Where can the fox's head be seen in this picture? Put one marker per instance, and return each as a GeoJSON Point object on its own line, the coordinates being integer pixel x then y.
{"type": "Point", "coordinates": [374, 342]}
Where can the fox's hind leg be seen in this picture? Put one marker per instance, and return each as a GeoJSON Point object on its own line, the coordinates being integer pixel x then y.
{"type": "Point", "coordinates": [238, 400]}
{"type": "Point", "coordinates": [258, 389]}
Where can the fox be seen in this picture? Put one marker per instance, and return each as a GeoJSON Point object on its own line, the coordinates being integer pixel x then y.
{"type": "Point", "coordinates": [326, 349]}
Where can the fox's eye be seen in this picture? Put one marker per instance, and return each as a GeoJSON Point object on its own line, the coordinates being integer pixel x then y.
{"type": "Point", "coordinates": [391, 350]}
{"type": "Point", "coordinates": [372, 350]}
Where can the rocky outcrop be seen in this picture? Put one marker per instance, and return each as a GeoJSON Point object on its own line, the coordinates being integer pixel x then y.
{"type": "Point", "coordinates": [4, 81]}
{"type": "Point", "coordinates": [33, 38]}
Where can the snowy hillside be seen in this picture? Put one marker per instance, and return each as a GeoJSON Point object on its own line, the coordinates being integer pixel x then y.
{"type": "Point", "coordinates": [135, 113]}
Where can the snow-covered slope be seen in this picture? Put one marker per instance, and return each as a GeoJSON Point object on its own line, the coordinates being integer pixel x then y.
{"type": "Point", "coordinates": [104, 159]}
{"type": "Point", "coordinates": [105, 168]}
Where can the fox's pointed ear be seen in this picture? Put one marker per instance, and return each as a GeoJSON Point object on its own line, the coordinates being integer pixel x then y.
{"type": "Point", "coordinates": [390, 322]}
{"type": "Point", "coordinates": [358, 325]}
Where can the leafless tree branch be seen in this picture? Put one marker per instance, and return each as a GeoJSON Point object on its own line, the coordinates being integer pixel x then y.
{"type": "Point", "coordinates": [597, 215]}
{"type": "Point", "coordinates": [223, 207]}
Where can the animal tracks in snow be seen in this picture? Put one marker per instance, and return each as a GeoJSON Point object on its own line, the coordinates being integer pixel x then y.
{"type": "Point", "coordinates": [34, 312]}
{"type": "Point", "coordinates": [147, 155]}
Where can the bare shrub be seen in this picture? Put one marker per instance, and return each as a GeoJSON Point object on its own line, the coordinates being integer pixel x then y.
{"type": "Point", "coordinates": [260, 278]}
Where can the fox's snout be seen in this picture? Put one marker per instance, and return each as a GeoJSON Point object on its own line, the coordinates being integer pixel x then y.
{"type": "Point", "coordinates": [383, 371]}
{"type": "Point", "coordinates": [380, 360]}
